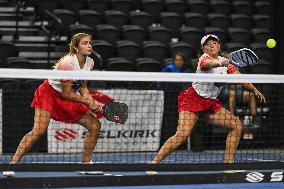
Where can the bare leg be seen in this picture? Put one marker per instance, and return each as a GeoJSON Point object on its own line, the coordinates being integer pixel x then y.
{"type": "Point", "coordinates": [93, 125]}
{"type": "Point", "coordinates": [186, 123]}
{"type": "Point", "coordinates": [232, 101]}
{"type": "Point", "coordinates": [224, 118]}
{"type": "Point", "coordinates": [41, 122]}
{"type": "Point", "coordinates": [250, 98]}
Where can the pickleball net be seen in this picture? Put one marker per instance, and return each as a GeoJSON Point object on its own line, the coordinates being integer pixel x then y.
{"type": "Point", "coordinates": [152, 102]}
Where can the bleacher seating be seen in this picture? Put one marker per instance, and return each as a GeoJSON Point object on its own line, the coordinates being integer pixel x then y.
{"type": "Point", "coordinates": [238, 23]}
{"type": "Point", "coordinates": [128, 50]}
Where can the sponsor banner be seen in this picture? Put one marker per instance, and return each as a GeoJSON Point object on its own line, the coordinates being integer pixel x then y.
{"type": "Point", "coordinates": [141, 132]}
{"type": "Point", "coordinates": [268, 176]}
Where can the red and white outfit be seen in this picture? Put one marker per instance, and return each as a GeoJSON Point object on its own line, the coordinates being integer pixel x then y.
{"type": "Point", "coordinates": [48, 95]}
{"type": "Point", "coordinates": [202, 96]}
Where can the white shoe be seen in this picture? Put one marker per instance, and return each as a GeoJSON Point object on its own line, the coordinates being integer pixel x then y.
{"type": "Point", "coordinates": [90, 162]}
{"type": "Point", "coordinates": [9, 173]}
{"type": "Point", "coordinates": [152, 172]}
{"type": "Point", "coordinates": [90, 172]}
{"type": "Point", "coordinates": [234, 171]}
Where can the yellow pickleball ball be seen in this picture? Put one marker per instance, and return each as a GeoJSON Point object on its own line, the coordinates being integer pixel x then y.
{"type": "Point", "coordinates": [271, 43]}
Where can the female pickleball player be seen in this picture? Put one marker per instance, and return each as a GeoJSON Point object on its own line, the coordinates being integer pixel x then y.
{"type": "Point", "coordinates": [200, 100]}
{"type": "Point", "coordinates": [68, 101]}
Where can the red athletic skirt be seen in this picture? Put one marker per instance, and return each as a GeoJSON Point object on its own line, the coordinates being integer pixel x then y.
{"type": "Point", "coordinates": [189, 100]}
{"type": "Point", "coordinates": [67, 111]}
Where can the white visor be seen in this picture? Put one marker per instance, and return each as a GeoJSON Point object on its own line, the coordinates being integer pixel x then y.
{"type": "Point", "coordinates": [204, 38]}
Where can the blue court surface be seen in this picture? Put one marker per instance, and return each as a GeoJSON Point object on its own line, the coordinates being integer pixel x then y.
{"type": "Point", "coordinates": [196, 179]}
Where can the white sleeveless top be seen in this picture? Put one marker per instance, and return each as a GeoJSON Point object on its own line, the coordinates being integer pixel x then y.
{"type": "Point", "coordinates": [209, 89]}
{"type": "Point", "coordinates": [70, 63]}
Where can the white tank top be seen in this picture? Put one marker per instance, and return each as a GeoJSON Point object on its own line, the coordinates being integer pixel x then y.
{"type": "Point", "coordinates": [208, 89]}
{"type": "Point", "coordinates": [70, 63]}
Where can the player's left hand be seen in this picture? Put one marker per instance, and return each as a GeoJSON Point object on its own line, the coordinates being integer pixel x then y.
{"type": "Point", "coordinates": [259, 95]}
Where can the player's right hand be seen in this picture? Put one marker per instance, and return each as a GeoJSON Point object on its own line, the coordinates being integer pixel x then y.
{"type": "Point", "coordinates": [224, 61]}
{"type": "Point", "coordinates": [95, 107]}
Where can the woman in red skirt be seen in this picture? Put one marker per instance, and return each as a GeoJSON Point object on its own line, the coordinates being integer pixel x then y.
{"type": "Point", "coordinates": [68, 101]}
{"type": "Point", "coordinates": [201, 100]}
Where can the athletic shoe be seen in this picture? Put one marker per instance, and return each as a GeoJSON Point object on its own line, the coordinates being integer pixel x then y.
{"type": "Point", "coordinates": [9, 173]}
{"type": "Point", "coordinates": [152, 172]}
{"type": "Point", "coordinates": [90, 172]}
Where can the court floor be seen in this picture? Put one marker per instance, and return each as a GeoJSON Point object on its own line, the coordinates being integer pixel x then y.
{"type": "Point", "coordinates": [261, 179]}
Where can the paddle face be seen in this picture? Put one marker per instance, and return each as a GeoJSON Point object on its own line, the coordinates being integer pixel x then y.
{"type": "Point", "coordinates": [116, 112]}
{"type": "Point", "coordinates": [243, 57]}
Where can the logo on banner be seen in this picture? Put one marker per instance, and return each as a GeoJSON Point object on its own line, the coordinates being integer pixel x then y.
{"type": "Point", "coordinates": [137, 135]}
{"type": "Point", "coordinates": [66, 134]}
{"type": "Point", "coordinates": [254, 177]}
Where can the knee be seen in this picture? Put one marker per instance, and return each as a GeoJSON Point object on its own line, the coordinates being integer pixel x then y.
{"type": "Point", "coordinates": [232, 94]}
{"type": "Point", "coordinates": [238, 126]}
{"type": "Point", "coordinates": [95, 126]}
{"type": "Point", "coordinates": [36, 134]}
{"type": "Point", "coordinates": [180, 136]}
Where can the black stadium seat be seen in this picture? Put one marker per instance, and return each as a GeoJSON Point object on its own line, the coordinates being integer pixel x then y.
{"type": "Point", "coordinates": [133, 33]}
{"type": "Point", "coordinates": [159, 33]}
{"type": "Point", "coordinates": [241, 21]}
{"type": "Point", "coordinates": [184, 48]}
{"type": "Point", "coordinates": [90, 18]}
{"type": "Point", "coordinates": [148, 65]}
{"type": "Point", "coordinates": [239, 35]}
{"type": "Point", "coordinates": [107, 33]}
{"type": "Point", "coordinates": [219, 20]}
{"type": "Point", "coordinates": [244, 7]}
{"type": "Point", "coordinates": [221, 33]}
{"type": "Point", "coordinates": [128, 50]}
{"type": "Point", "coordinates": [123, 5]}
{"type": "Point", "coordinates": [155, 50]}
{"type": "Point", "coordinates": [172, 21]}
{"type": "Point", "coordinates": [221, 6]}
{"type": "Point", "coordinates": [74, 5]}
{"type": "Point", "coordinates": [262, 21]}
{"type": "Point", "coordinates": [260, 35]}
{"type": "Point", "coordinates": [192, 35]}
{"type": "Point", "coordinates": [105, 50]}
{"type": "Point", "coordinates": [262, 51]}
{"type": "Point", "coordinates": [200, 6]}
{"type": "Point", "coordinates": [99, 5]}
{"type": "Point", "coordinates": [262, 7]}
{"type": "Point", "coordinates": [116, 18]}
{"type": "Point", "coordinates": [234, 46]}
{"type": "Point", "coordinates": [140, 18]}
{"type": "Point", "coordinates": [120, 64]}
{"type": "Point", "coordinates": [153, 7]}
{"type": "Point", "coordinates": [262, 67]}
{"type": "Point", "coordinates": [193, 19]}
{"type": "Point", "coordinates": [20, 63]}
{"type": "Point", "coordinates": [80, 28]}
{"type": "Point", "coordinates": [67, 17]}
{"type": "Point", "coordinates": [177, 6]}
{"type": "Point", "coordinates": [42, 5]}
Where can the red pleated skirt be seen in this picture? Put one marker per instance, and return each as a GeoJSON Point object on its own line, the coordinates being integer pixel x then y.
{"type": "Point", "coordinates": [189, 100]}
{"type": "Point", "coordinates": [67, 111]}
